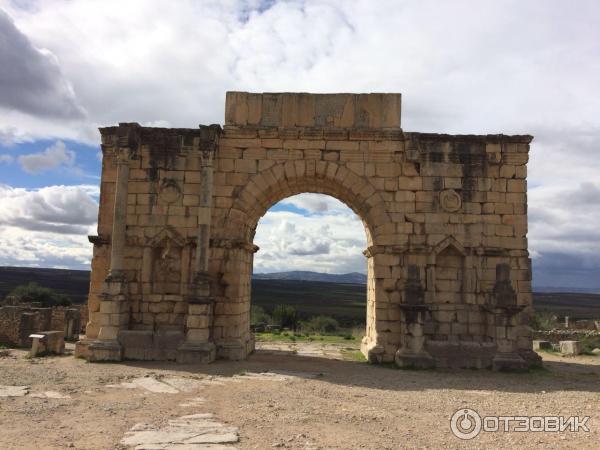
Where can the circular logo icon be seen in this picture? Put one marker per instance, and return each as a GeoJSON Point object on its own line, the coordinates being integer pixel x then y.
{"type": "Point", "coordinates": [465, 424]}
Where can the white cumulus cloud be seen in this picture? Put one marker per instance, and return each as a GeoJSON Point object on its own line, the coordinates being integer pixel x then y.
{"type": "Point", "coordinates": [330, 242]}
{"type": "Point", "coordinates": [47, 227]}
{"type": "Point", "coordinates": [54, 156]}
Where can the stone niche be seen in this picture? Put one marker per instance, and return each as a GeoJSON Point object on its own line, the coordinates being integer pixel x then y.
{"type": "Point", "coordinates": [449, 277]}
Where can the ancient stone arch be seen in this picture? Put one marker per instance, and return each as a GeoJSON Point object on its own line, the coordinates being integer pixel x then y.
{"type": "Point", "coordinates": [445, 217]}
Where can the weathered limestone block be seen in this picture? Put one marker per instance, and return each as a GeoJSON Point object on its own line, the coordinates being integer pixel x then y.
{"type": "Point", "coordinates": [47, 342]}
{"type": "Point", "coordinates": [570, 348]}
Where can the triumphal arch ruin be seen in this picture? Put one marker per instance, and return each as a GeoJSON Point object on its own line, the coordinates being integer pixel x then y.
{"type": "Point", "coordinates": [449, 274]}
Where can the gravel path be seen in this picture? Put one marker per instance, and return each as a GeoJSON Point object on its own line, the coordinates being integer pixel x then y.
{"type": "Point", "coordinates": [283, 400]}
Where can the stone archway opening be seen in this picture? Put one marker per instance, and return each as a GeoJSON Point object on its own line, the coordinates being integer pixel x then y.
{"type": "Point", "coordinates": [308, 284]}
{"type": "Point", "coordinates": [278, 182]}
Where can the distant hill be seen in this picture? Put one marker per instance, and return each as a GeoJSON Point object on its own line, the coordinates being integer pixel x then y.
{"type": "Point", "coordinates": [304, 275]}
{"type": "Point", "coordinates": [312, 293]}
{"type": "Point", "coordinates": [575, 305]}
{"type": "Point", "coordinates": [73, 283]}
{"type": "Point", "coordinates": [345, 301]}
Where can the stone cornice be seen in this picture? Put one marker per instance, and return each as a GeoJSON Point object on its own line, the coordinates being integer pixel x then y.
{"type": "Point", "coordinates": [99, 240]}
{"type": "Point", "coordinates": [205, 138]}
{"type": "Point", "coordinates": [313, 133]}
{"type": "Point", "coordinates": [471, 138]}
{"type": "Point", "coordinates": [233, 244]}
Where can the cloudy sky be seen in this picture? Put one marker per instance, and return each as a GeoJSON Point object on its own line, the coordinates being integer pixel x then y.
{"type": "Point", "coordinates": [67, 67]}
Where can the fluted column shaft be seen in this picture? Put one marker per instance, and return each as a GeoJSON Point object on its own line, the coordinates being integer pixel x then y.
{"type": "Point", "coordinates": [118, 238]}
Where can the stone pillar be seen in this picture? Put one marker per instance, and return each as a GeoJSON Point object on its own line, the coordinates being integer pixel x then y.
{"type": "Point", "coordinates": [118, 237]}
{"type": "Point", "coordinates": [199, 345]}
{"type": "Point", "coordinates": [114, 307]}
{"type": "Point", "coordinates": [370, 346]}
{"type": "Point", "coordinates": [412, 352]}
{"type": "Point", "coordinates": [507, 321]}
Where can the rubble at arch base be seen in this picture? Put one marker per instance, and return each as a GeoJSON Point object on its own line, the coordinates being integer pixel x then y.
{"type": "Point", "coordinates": [449, 274]}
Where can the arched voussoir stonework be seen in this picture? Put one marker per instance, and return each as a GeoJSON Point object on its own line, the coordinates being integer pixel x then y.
{"type": "Point", "coordinates": [287, 179]}
{"type": "Point", "coordinates": [448, 269]}
{"type": "Point", "coordinates": [251, 201]}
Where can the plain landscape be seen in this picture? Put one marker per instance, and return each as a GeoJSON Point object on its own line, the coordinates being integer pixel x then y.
{"type": "Point", "coordinates": [306, 291]}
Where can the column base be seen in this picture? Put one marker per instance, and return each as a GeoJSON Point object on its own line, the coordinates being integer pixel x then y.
{"type": "Point", "coordinates": [192, 353]}
{"type": "Point", "coordinates": [100, 351]}
{"type": "Point", "coordinates": [408, 360]}
{"type": "Point", "coordinates": [373, 353]}
{"type": "Point", "coordinates": [531, 358]}
{"type": "Point", "coordinates": [82, 349]}
{"type": "Point", "coordinates": [237, 350]}
{"type": "Point", "coordinates": [509, 362]}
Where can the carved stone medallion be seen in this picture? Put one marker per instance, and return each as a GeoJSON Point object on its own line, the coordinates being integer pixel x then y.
{"type": "Point", "coordinates": [450, 200]}
{"type": "Point", "coordinates": [169, 191]}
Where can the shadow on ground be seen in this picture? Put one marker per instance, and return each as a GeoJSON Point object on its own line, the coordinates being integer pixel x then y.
{"type": "Point", "coordinates": [558, 373]}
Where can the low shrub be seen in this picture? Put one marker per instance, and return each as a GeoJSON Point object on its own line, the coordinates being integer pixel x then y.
{"type": "Point", "coordinates": [286, 316]}
{"type": "Point", "coordinates": [544, 320]}
{"type": "Point", "coordinates": [321, 324]}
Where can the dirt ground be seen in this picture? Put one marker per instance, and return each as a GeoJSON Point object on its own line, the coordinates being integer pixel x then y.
{"type": "Point", "coordinates": [302, 400]}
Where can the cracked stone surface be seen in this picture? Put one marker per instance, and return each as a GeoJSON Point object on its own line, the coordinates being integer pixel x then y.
{"type": "Point", "coordinates": [194, 431]}
{"type": "Point", "coordinates": [22, 391]}
{"type": "Point", "coordinates": [194, 402]}
{"type": "Point", "coordinates": [49, 394]}
{"type": "Point", "coordinates": [175, 385]}
{"type": "Point", "coordinates": [13, 391]}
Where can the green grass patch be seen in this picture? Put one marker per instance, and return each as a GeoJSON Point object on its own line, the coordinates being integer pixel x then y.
{"type": "Point", "coordinates": [353, 355]}
{"type": "Point", "coordinates": [289, 336]}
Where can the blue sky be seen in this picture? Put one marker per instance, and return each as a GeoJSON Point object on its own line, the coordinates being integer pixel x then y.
{"type": "Point", "coordinates": [491, 66]}
{"type": "Point", "coordinates": [85, 168]}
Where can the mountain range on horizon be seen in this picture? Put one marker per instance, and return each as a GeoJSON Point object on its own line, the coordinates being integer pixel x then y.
{"type": "Point", "coordinates": [361, 278]}
{"type": "Point", "coordinates": [11, 276]}
{"type": "Point", "coordinates": [306, 275]}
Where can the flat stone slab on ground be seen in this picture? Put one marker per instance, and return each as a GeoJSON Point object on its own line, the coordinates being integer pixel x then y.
{"type": "Point", "coordinates": [13, 391]}
{"type": "Point", "coordinates": [193, 402]}
{"type": "Point", "coordinates": [193, 431]}
{"type": "Point", "coordinates": [148, 383]}
{"type": "Point", "coordinates": [183, 384]}
{"type": "Point", "coordinates": [49, 394]}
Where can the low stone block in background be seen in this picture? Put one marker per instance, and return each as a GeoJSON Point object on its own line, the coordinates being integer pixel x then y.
{"type": "Point", "coordinates": [570, 347]}
{"type": "Point", "coordinates": [47, 342]}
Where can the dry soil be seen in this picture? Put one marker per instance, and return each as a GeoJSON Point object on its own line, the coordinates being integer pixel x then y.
{"type": "Point", "coordinates": [300, 402]}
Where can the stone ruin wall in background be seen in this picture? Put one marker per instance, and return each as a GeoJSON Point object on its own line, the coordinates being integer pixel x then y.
{"type": "Point", "coordinates": [19, 321]}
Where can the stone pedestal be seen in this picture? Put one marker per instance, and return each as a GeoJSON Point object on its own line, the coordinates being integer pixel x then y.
{"type": "Point", "coordinates": [198, 346]}
{"type": "Point", "coordinates": [373, 352]}
{"type": "Point", "coordinates": [507, 356]}
{"type": "Point", "coordinates": [201, 352]}
{"type": "Point", "coordinates": [99, 351]}
{"type": "Point", "coordinates": [412, 353]}
{"type": "Point", "coordinates": [114, 316]}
